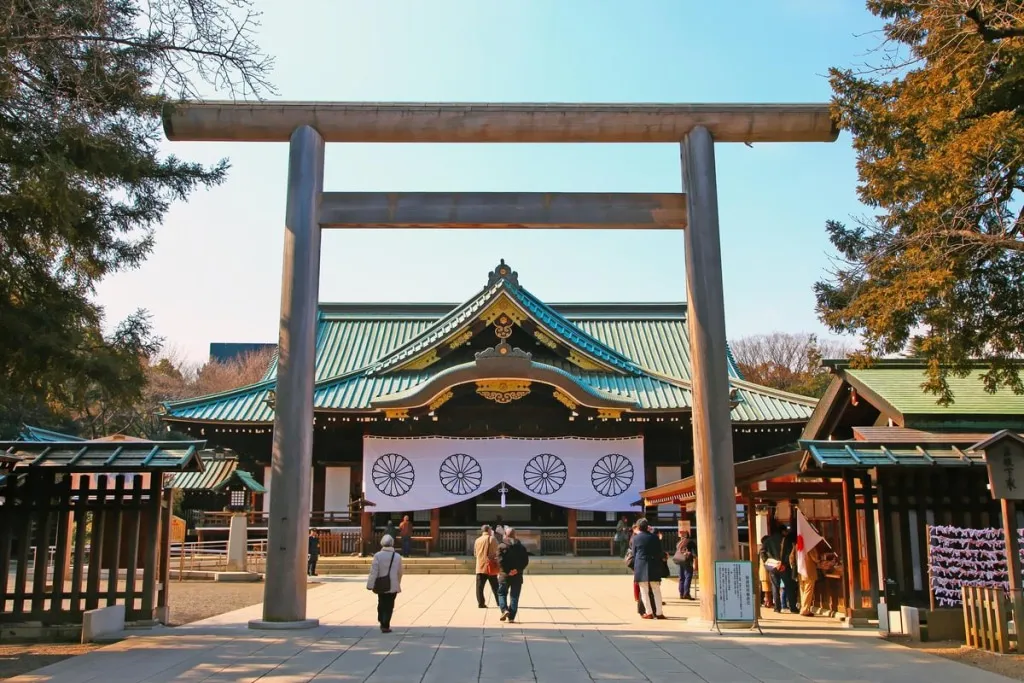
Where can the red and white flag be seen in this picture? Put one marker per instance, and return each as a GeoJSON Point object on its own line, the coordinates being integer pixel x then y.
{"type": "Point", "coordinates": [806, 538]}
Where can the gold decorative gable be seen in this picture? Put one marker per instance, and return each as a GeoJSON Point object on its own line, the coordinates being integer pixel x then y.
{"type": "Point", "coordinates": [440, 400]}
{"type": "Point", "coordinates": [503, 390]}
{"type": "Point", "coordinates": [503, 306]}
{"type": "Point", "coordinates": [565, 400]}
{"type": "Point", "coordinates": [460, 339]}
{"type": "Point", "coordinates": [583, 362]}
{"type": "Point", "coordinates": [424, 361]}
{"type": "Point", "coordinates": [545, 339]}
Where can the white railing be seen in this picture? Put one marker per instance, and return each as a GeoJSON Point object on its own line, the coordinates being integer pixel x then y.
{"type": "Point", "coordinates": [213, 556]}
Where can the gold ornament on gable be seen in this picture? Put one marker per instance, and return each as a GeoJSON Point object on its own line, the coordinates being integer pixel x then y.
{"type": "Point", "coordinates": [503, 391]}
{"type": "Point", "coordinates": [583, 362]}
{"type": "Point", "coordinates": [564, 399]}
{"type": "Point", "coordinates": [503, 306]}
{"type": "Point", "coordinates": [545, 339]}
{"type": "Point", "coordinates": [441, 400]}
{"type": "Point", "coordinates": [424, 361]}
{"type": "Point", "coordinates": [460, 339]}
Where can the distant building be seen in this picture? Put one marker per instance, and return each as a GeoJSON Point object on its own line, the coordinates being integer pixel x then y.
{"type": "Point", "coordinates": [224, 352]}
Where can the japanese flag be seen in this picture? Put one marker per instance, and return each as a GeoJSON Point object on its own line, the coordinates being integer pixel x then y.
{"type": "Point", "coordinates": [806, 539]}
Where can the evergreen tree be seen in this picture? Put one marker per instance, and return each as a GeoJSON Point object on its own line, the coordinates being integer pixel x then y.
{"type": "Point", "coordinates": [82, 182]}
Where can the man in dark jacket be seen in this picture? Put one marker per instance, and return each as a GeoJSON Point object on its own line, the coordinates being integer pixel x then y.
{"type": "Point", "coordinates": [512, 558]}
{"type": "Point", "coordinates": [775, 552]}
{"type": "Point", "coordinates": [314, 552]}
{"type": "Point", "coordinates": [648, 558]}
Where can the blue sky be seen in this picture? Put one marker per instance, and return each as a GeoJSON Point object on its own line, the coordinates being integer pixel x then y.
{"type": "Point", "coordinates": [215, 272]}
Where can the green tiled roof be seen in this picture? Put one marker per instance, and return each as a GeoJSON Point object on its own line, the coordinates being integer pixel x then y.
{"type": "Point", "coordinates": [108, 456]}
{"type": "Point", "coordinates": [245, 479]}
{"type": "Point", "coordinates": [30, 433]}
{"type": "Point", "coordinates": [216, 469]}
{"type": "Point", "coordinates": [360, 345]}
{"type": "Point", "coordinates": [863, 455]}
{"type": "Point", "coordinates": [901, 388]}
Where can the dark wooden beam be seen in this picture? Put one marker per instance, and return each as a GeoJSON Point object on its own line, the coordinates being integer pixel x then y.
{"type": "Point", "coordinates": [498, 122]}
{"type": "Point", "coordinates": [503, 210]}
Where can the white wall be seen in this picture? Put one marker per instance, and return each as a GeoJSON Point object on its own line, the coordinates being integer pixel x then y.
{"type": "Point", "coordinates": [667, 475]}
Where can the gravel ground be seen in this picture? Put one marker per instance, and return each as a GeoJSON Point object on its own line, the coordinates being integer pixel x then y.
{"type": "Point", "coordinates": [1011, 666]}
{"type": "Point", "coordinates": [195, 600]}
{"type": "Point", "coordinates": [190, 601]}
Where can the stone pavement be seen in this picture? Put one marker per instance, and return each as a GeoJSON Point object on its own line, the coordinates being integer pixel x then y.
{"type": "Point", "coordinates": [573, 629]}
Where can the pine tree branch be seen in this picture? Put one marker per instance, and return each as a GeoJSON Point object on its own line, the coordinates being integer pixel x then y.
{"type": "Point", "coordinates": [986, 31]}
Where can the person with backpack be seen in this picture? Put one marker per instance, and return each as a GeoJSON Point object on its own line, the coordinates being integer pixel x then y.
{"type": "Point", "coordinates": [685, 558]}
{"type": "Point", "coordinates": [385, 579]}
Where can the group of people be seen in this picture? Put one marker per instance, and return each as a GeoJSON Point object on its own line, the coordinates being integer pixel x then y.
{"type": "Point", "coordinates": [781, 584]}
{"type": "Point", "coordinates": [404, 533]}
{"type": "Point", "coordinates": [500, 562]}
{"type": "Point", "coordinates": [647, 557]}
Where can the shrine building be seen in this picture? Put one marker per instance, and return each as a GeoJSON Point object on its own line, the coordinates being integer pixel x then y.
{"type": "Point", "coordinates": [552, 416]}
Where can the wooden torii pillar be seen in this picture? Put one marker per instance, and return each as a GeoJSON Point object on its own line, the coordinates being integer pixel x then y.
{"type": "Point", "coordinates": [308, 126]}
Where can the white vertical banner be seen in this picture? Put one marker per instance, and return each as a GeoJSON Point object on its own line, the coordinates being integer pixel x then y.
{"type": "Point", "coordinates": [267, 476]}
{"type": "Point", "coordinates": [667, 475]}
{"type": "Point", "coordinates": [401, 474]}
{"type": "Point", "coordinates": [338, 487]}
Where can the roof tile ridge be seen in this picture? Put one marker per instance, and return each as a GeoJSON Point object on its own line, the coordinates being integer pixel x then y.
{"type": "Point", "coordinates": [184, 402]}
{"type": "Point", "coordinates": [772, 391]}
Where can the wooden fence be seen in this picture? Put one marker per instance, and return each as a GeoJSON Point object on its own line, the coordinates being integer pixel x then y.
{"type": "Point", "coordinates": [986, 619]}
{"type": "Point", "coordinates": [65, 550]}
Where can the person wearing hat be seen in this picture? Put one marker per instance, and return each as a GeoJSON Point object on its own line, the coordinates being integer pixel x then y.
{"type": "Point", "coordinates": [385, 579]}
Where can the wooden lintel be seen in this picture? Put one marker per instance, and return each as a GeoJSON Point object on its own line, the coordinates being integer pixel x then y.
{"type": "Point", "coordinates": [211, 121]}
{"type": "Point", "coordinates": [503, 210]}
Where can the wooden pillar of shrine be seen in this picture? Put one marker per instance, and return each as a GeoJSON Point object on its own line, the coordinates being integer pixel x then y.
{"type": "Point", "coordinates": [435, 529]}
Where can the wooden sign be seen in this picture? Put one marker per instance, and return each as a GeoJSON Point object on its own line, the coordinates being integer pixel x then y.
{"type": "Point", "coordinates": [177, 530]}
{"type": "Point", "coordinates": [1004, 457]}
{"type": "Point", "coordinates": [734, 591]}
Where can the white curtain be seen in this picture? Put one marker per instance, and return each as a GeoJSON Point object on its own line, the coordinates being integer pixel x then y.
{"type": "Point", "coordinates": [423, 473]}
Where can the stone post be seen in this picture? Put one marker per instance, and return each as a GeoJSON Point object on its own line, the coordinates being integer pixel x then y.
{"type": "Point", "coordinates": [712, 426]}
{"type": "Point", "coordinates": [238, 538]}
{"type": "Point", "coordinates": [284, 601]}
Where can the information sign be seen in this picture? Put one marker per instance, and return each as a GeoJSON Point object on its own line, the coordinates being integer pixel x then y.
{"type": "Point", "coordinates": [734, 591]}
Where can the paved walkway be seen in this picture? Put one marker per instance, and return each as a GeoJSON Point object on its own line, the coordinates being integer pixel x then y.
{"type": "Point", "coordinates": [573, 629]}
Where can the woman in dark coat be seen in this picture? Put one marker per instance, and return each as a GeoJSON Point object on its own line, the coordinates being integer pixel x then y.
{"type": "Point", "coordinates": [648, 557]}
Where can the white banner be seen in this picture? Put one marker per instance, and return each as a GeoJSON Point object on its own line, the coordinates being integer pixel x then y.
{"type": "Point", "coordinates": [401, 474]}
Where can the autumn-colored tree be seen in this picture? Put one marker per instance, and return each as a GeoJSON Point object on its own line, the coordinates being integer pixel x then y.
{"type": "Point", "coordinates": [938, 128]}
{"type": "Point", "coordinates": [787, 361]}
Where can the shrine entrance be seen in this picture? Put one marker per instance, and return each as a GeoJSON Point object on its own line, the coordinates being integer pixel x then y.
{"type": "Point", "coordinates": [308, 126]}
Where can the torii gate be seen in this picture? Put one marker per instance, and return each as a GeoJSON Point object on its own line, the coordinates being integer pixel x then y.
{"type": "Point", "coordinates": [308, 126]}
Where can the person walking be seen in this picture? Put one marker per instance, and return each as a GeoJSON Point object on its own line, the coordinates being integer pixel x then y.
{"type": "Point", "coordinates": [485, 550]}
{"type": "Point", "coordinates": [685, 558]}
{"type": "Point", "coordinates": [389, 529]}
{"type": "Point", "coordinates": [314, 552]}
{"type": "Point", "coordinates": [622, 536]}
{"type": "Point", "coordinates": [385, 579]}
{"type": "Point", "coordinates": [512, 562]}
{"type": "Point", "coordinates": [648, 557]}
{"type": "Point", "coordinates": [405, 531]}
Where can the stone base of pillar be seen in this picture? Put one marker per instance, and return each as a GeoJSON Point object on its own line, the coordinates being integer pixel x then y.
{"type": "Point", "coordinates": [261, 625]}
{"type": "Point", "coordinates": [237, 577]}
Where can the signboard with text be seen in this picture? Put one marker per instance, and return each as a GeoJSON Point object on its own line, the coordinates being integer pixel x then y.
{"type": "Point", "coordinates": [1005, 460]}
{"type": "Point", "coordinates": [734, 591]}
